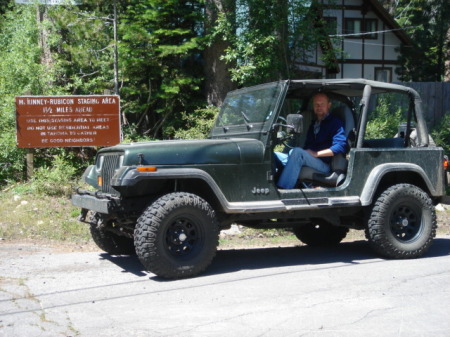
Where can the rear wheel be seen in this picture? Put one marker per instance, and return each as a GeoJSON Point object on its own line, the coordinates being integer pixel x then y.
{"type": "Point", "coordinates": [177, 236]}
{"type": "Point", "coordinates": [402, 223]}
{"type": "Point", "coordinates": [320, 234]}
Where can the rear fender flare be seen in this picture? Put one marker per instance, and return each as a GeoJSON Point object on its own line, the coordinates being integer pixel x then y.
{"type": "Point", "coordinates": [377, 174]}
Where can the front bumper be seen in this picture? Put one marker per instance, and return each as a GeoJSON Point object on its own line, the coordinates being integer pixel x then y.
{"type": "Point", "coordinates": [94, 201]}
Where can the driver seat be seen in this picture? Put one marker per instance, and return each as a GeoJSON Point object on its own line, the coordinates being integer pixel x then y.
{"type": "Point", "coordinates": [339, 162]}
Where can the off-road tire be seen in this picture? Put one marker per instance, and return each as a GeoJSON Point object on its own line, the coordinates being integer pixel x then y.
{"type": "Point", "coordinates": [320, 234]}
{"type": "Point", "coordinates": [177, 236]}
{"type": "Point", "coordinates": [111, 243]}
{"type": "Point", "coordinates": [402, 223]}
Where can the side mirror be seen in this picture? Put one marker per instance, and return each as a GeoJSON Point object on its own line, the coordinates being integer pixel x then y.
{"type": "Point", "coordinates": [295, 123]}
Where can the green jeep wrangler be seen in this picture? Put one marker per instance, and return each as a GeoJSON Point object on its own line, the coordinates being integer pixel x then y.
{"type": "Point", "coordinates": [168, 200]}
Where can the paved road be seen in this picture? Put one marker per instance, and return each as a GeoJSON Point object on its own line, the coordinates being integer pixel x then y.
{"type": "Point", "coordinates": [344, 291]}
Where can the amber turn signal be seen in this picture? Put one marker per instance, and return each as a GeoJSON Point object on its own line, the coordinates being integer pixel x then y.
{"type": "Point", "coordinates": [99, 181]}
{"type": "Point", "coordinates": [146, 168]}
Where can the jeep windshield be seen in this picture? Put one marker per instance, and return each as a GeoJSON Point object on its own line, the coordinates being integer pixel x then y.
{"type": "Point", "coordinates": [249, 109]}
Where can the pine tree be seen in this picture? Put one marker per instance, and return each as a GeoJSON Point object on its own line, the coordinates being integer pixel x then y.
{"type": "Point", "coordinates": [428, 23]}
{"type": "Point", "coordinates": [161, 66]}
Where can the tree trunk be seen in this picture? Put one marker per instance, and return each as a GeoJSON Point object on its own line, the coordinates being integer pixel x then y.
{"type": "Point", "coordinates": [447, 58]}
{"type": "Point", "coordinates": [282, 37]}
{"type": "Point", "coordinates": [46, 56]}
{"type": "Point", "coordinates": [218, 80]}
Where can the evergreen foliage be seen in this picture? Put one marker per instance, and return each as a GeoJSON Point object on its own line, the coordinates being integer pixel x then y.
{"type": "Point", "coordinates": [81, 45]}
{"type": "Point", "coordinates": [20, 71]}
{"type": "Point", "coordinates": [427, 22]}
{"type": "Point", "coordinates": [160, 49]}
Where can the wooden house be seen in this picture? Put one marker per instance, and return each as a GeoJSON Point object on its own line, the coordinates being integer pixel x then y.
{"type": "Point", "coordinates": [362, 41]}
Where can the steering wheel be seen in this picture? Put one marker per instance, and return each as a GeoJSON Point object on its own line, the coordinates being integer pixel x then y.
{"type": "Point", "coordinates": [283, 135]}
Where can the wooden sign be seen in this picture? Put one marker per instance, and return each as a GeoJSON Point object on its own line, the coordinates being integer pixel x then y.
{"type": "Point", "coordinates": [67, 121]}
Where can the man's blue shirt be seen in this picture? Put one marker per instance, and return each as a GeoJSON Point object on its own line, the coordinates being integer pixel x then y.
{"type": "Point", "coordinates": [331, 136]}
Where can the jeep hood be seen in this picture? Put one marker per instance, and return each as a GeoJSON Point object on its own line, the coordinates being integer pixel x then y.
{"type": "Point", "coordinates": [190, 152]}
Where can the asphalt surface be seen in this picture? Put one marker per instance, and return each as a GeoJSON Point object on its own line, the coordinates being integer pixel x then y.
{"type": "Point", "coordinates": [298, 291]}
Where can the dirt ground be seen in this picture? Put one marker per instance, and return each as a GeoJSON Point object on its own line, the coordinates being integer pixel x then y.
{"type": "Point", "coordinates": [237, 237]}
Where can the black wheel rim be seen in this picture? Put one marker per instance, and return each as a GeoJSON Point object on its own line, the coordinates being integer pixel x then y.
{"type": "Point", "coordinates": [183, 237]}
{"type": "Point", "coordinates": [406, 222]}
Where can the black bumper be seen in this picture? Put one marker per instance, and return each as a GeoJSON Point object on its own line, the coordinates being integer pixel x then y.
{"type": "Point", "coordinates": [99, 203]}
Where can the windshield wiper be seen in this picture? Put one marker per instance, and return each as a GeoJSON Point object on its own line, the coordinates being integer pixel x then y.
{"type": "Point", "coordinates": [246, 121]}
{"type": "Point", "coordinates": [225, 128]}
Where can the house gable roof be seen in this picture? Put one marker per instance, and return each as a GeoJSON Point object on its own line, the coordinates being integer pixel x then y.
{"type": "Point", "coordinates": [384, 15]}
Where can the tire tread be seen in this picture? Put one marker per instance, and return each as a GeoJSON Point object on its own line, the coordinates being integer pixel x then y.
{"type": "Point", "coordinates": [147, 234]}
{"type": "Point", "coordinates": [376, 228]}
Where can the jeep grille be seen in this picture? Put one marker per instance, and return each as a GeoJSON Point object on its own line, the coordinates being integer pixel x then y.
{"type": "Point", "coordinates": [110, 164]}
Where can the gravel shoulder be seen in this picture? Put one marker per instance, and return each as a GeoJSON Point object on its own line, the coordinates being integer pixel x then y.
{"type": "Point", "coordinates": [237, 237]}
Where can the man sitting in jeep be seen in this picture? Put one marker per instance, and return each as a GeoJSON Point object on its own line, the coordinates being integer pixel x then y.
{"type": "Point", "coordinates": [325, 138]}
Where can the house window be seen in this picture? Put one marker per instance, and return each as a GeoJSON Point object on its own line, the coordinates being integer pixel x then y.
{"type": "Point", "coordinates": [353, 26]}
{"type": "Point", "coordinates": [371, 25]}
{"type": "Point", "coordinates": [383, 74]}
{"type": "Point", "coordinates": [359, 26]}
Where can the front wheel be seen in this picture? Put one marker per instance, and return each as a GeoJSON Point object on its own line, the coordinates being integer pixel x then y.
{"type": "Point", "coordinates": [177, 235]}
{"type": "Point", "coordinates": [402, 223]}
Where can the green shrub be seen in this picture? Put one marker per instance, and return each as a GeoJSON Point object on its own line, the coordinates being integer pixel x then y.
{"type": "Point", "coordinates": [12, 159]}
{"type": "Point", "coordinates": [441, 133]}
{"type": "Point", "coordinates": [131, 134]}
{"type": "Point", "coordinates": [383, 122]}
{"type": "Point", "coordinates": [57, 180]}
{"type": "Point", "coordinates": [198, 123]}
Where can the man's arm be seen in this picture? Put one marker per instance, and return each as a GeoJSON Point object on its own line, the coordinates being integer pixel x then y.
{"type": "Point", "coordinates": [321, 153]}
{"type": "Point", "coordinates": [339, 144]}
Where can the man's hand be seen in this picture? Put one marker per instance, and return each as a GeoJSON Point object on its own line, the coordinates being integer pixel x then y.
{"type": "Point", "coordinates": [321, 153]}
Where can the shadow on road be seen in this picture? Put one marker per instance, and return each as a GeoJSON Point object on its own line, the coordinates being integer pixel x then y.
{"type": "Point", "coordinates": [130, 264]}
{"type": "Point", "coordinates": [440, 247]}
{"type": "Point", "coordinates": [260, 258]}
{"type": "Point", "coordinates": [228, 261]}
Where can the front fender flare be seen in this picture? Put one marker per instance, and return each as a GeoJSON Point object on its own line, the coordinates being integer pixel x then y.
{"type": "Point", "coordinates": [131, 177]}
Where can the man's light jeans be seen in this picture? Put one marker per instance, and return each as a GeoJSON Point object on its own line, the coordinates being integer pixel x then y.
{"type": "Point", "coordinates": [293, 162]}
